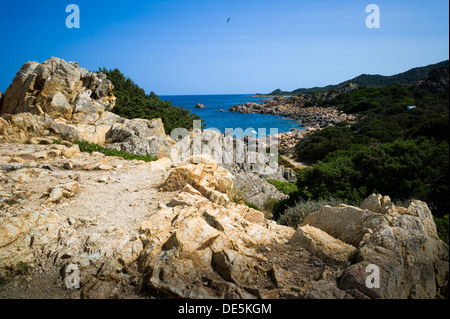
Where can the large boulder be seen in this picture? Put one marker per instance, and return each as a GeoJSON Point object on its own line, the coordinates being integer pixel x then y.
{"type": "Point", "coordinates": [256, 190]}
{"type": "Point", "coordinates": [199, 249]}
{"type": "Point", "coordinates": [207, 177]}
{"type": "Point", "coordinates": [20, 234]}
{"type": "Point", "coordinates": [59, 97]}
{"type": "Point", "coordinates": [53, 87]}
{"type": "Point", "coordinates": [320, 243]}
{"type": "Point", "coordinates": [139, 136]}
{"type": "Point", "coordinates": [402, 243]}
{"type": "Point", "coordinates": [246, 165]}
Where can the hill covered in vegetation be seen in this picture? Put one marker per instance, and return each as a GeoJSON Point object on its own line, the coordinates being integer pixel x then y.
{"type": "Point", "coordinates": [393, 149]}
{"type": "Point", "coordinates": [133, 102]}
{"type": "Point", "coordinates": [368, 80]}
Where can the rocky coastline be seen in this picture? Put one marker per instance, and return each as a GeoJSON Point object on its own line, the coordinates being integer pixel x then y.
{"type": "Point", "coordinates": [178, 227]}
{"type": "Point", "coordinates": [303, 108]}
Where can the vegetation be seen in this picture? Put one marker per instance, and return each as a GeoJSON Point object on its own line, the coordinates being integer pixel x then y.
{"type": "Point", "coordinates": [133, 102]}
{"type": "Point", "coordinates": [370, 81]}
{"type": "Point", "coordinates": [90, 147]}
{"type": "Point", "coordinates": [236, 196]}
{"type": "Point", "coordinates": [295, 215]}
{"type": "Point", "coordinates": [284, 187]}
{"type": "Point", "coordinates": [392, 150]}
{"type": "Point", "coordinates": [250, 205]}
{"type": "Point", "coordinates": [442, 227]}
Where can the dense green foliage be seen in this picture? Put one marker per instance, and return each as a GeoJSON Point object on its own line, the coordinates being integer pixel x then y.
{"type": "Point", "coordinates": [295, 215]}
{"type": "Point", "coordinates": [370, 81]}
{"type": "Point", "coordinates": [90, 147]}
{"type": "Point", "coordinates": [391, 150]}
{"type": "Point", "coordinates": [442, 227]}
{"type": "Point", "coordinates": [414, 168]}
{"type": "Point", "coordinates": [251, 205]}
{"type": "Point", "coordinates": [284, 187]}
{"type": "Point", "coordinates": [133, 102]}
{"type": "Point", "coordinates": [412, 75]}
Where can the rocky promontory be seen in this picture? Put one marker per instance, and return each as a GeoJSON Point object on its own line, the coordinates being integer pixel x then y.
{"type": "Point", "coordinates": [303, 108]}
{"type": "Point", "coordinates": [79, 224]}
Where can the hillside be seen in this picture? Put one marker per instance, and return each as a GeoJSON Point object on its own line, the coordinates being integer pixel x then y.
{"type": "Point", "coordinates": [376, 80]}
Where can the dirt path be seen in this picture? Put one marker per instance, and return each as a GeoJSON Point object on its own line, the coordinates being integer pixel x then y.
{"type": "Point", "coordinates": [96, 222]}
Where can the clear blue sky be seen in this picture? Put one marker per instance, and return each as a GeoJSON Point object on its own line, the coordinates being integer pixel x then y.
{"type": "Point", "coordinates": [187, 47]}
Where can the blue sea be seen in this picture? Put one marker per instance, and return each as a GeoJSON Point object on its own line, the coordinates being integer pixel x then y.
{"type": "Point", "coordinates": [249, 123]}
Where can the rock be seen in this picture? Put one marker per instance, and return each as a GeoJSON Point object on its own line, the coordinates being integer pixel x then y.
{"type": "Point", "coordinates": [200, 106]}
{"type": "Point", "coordinates": [40, 155]}
{"type": "Point", "coordinates": [255, 190]}
{"type": "Point", "coordinates": [71, 151]}
{"type": "Point", "coordinates": [26, 122]}
{"type": "Point", "coordinates": [140, 137]}
{"type": "Point", "coordinates": [19, 235]}
{"type": "Point", "coordinates": [3, 126]}
{"type": "Point", "coordinates": [304, 108]}
{"type": "Point", "coordinates": [51, 85]}
{"type": "Point", "coordinates": [402, 244]}
{"type": "Point", "coordinates": [346, 223]}
{"type": "Point", "coordinates": [207, 175]}
{"type": "Point", "coordinates": [323, 245]}
{"type": "Point", "coordinates": [59, 107]}
{"type": "Point", "coordinates": [63, 191]}
{"type": "Point", "coordinates": [104, 167]}
{"type": "Point", "coordinates": [56, 195]}
{"type": "Point", "coordinates": [11, 166]}
{"type": "Point", "coordinates": [161, 164]}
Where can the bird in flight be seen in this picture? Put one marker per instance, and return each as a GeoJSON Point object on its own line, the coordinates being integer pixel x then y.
{"type": "Point", "coordinates": [228, 19]}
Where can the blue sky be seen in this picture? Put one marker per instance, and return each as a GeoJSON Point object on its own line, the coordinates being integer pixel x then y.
{"type": "Point", "coordinates": [187, 47]}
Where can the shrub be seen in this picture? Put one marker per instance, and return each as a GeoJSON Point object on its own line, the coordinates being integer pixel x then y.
{"type": "Point", "coordinates": [442, 227]}
{"type": "Point", "coordinates": [133, 102]}
{"type": "Point", "coordinates": [91, 147]}
{"type": "Point", "coordinates": [295, 215]}
{"type": "Point", "coordinates": [283, 187]}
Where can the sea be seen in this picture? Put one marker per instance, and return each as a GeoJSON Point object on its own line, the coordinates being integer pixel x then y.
{"type": "Point", "coordinates": [251, 124]}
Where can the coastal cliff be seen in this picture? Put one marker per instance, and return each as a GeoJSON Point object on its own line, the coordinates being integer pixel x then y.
{"type": "Point", "coordinates": [173, 226]}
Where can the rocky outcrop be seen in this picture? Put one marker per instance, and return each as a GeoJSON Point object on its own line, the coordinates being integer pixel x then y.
{"type": "Point", "coordinates": [207, 177]}
{"type": "Point", "coordinates": [402, 243]}
{"type": "Point", "coordinates": [250, 169]}
{"type": "Point", "coordinates": [315, 116]}
{"type": "Point", "coordinates": [256, 190]}
{"type": "Point", "coordinates": [60, 89]}
{"type": "Point", "coordinates": [173, 232]}
{"type": "Point", "coordinates": [320, 243]}
{"type": "Point", "coordinates": [58, 97]}
{"type": "Point", "coordinates": [437, 81]}
{"type": "Point", "coordinates": [200, 106]}
{"type": "Point", "coordinates": [304, 108]}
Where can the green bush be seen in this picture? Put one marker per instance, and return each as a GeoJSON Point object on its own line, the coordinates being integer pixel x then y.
{"type": "Point", "coordinates": [391, 150]}
{"type": "Point", "coordinates": [133, 102]}
{"type": "Point", "coordinates": [442, 227]}
{"type": "Point", "coordinates": [295, 215]}
{"type": "Point", "coordinates": [90, 147]}
{"type": "Point", "coordinates": [251, 205]}
{"type": "Point", "coordinates": [283, 187]}
{"type": "Point", "coordinates": [403, 169]}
